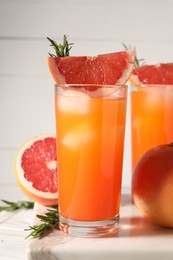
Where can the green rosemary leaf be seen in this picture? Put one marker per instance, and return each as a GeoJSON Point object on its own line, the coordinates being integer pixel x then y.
{"type": "Point", "coordinates": [12, 206]}
{"type": "Point", "coordinates": [61, 50]}
{"type": "Point", "coordinates": [138, 62]}
{"type": "Point", "coordinates": [48, 222]}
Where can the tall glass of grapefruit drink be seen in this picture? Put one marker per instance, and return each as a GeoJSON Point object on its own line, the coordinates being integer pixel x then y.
{"type": "Point", "coordinates": [151, 117]}
{"type": "Point", "coordinates": [90, 105]}
{"type": "Point", "coordinates": [90, 125]}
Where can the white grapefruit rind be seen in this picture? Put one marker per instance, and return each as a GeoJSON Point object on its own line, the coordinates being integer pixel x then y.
{"type": "Point", "coordinates": [54, 72]}
{"type": "Point", "coordinates": [134, 80]}
{"type": "Point", "coordinates": [20, 173]}
{"type": "Point", "coordinates": [127, 72]}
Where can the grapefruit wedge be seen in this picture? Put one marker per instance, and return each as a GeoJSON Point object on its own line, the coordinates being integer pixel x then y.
{"type": "Point", "coordinates": [161, 73]}
{"type": "Point", "coordinates": [108, 69]}
{"type": "Point", "coordinates": [35, 169]}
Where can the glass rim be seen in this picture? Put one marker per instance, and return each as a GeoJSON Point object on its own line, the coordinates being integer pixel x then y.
{"type": "Point", "coordinates": [66, 85]}
{"type": "Point", "coordinates": [147, 85]}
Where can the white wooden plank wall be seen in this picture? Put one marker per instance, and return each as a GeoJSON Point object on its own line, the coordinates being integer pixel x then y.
{"type": "Point", "coordinates": [26, 88]}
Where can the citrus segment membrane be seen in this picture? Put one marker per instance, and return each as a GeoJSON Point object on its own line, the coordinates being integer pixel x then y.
{"type": "Point", "coordinates": [39, 164]}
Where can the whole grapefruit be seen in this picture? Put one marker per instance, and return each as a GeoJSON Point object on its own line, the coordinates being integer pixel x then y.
{"type": "Point", "coordinates": [152, 185]}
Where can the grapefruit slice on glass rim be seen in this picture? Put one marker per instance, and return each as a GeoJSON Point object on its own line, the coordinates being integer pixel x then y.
{"type": "Point", "coordinates": [161, 73]}
{"type": "Point", "coordinates": [108, 69]}
{"type": "Point", "coordinates": [35, 169]}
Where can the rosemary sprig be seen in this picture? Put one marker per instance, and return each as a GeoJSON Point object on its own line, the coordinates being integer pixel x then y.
{"type": "Point", "coordinates": [49, 220]}
{"type": "Point", "coordinates": [61, 50]}
{"type": "Point", "coordinates": [138, 62]}
{"type": "Point", "coordinates": [11, 206]}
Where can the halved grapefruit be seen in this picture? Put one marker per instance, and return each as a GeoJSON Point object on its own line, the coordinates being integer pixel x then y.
{"type": "Point", "coordinates": [35, 169]}
{"type": "Point", "coordinates": [161, 73]}
{"type": "Point", "coordinates": [111, 68]}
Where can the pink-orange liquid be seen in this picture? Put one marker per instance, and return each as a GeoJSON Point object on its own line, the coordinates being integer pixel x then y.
{"type": "Point", "coordinates": [152, 119]}
{"type": "Point", "coordinates": [90, 139]}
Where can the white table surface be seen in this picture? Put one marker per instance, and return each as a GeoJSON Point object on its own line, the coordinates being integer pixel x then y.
{"type": "Point", "coordinates": [136, 239]}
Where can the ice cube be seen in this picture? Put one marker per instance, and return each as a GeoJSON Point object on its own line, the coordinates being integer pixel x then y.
{"type": "Point", "coordinates": [102, 92]}
{"type": "Point", "coordinates": [154, 97]}
{"type": "Point", "coordinates": [79, 136]}
{"type": "Point", "coordinates": [73, 102]}
{"type": "Point", "coordinates": [168, 95]}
